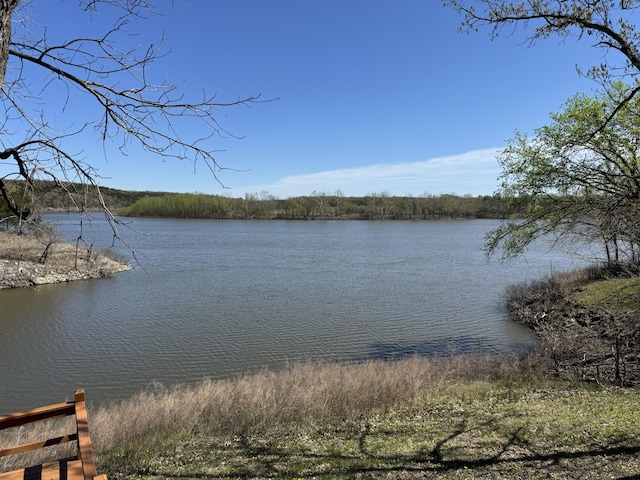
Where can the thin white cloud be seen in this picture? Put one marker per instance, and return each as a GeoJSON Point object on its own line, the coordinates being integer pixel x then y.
{"type": "Point", "coordinates": [473, 173]}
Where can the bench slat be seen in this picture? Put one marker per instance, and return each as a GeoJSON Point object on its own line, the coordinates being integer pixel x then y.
{"type": "Point", "coordinates": [37, 415]}
{"type": "Point", "coordinates": [63, 470]}
{"type": "Point", "coordinates": [27, 447]}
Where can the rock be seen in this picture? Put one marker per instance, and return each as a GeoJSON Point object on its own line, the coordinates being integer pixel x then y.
{"type": "Point", "coordinates": [19, 265]}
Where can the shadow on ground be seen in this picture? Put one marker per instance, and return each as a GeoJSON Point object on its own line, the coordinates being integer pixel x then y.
{"type": "Point", "coordinates": [371, 452]}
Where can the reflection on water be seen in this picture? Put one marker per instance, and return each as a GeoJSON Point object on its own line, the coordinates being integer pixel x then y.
{"type": "Point", "coordinates": [222, 298]}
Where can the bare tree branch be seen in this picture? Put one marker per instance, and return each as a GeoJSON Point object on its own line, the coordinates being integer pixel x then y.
{"type": "Point", "coordinates": [608, 22]}
{"type": "Point", "coordinates": [111, 75]}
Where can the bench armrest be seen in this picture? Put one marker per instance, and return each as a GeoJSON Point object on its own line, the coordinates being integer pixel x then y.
{"type": "Point", "coordinates": [85, 450]}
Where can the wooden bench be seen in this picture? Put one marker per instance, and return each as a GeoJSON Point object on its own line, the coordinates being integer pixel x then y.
{"type": "Point", "coordinates": [79, 467]}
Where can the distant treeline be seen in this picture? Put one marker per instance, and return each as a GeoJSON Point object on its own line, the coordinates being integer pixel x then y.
{"type": "Point", "coordinates": [318, 207]}
{"type": "Point", "coordinates": [48, 196]}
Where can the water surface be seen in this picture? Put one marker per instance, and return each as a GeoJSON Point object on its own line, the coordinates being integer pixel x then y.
{"type": "Point", "coordinates": [222, 298]}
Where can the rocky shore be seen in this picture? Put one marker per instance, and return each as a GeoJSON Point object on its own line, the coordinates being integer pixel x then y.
{"type": "Point", "coordinates": [596, 343]}
{"type": "Point", "coordinates": [26, 261]}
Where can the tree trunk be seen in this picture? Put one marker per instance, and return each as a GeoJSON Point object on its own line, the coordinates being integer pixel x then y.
{"type": "Point", "coordinates": [6, 11]}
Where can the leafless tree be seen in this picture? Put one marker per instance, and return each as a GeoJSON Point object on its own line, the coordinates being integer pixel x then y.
{"type": "Point", "coordinates": [112, 77]}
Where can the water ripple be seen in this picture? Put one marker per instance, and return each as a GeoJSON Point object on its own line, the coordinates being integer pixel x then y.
{"type": "Point", "coordinates": [217, 299]}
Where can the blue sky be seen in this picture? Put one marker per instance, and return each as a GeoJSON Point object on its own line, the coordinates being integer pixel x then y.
{"type": "Point", "coordinates": [372, 96]}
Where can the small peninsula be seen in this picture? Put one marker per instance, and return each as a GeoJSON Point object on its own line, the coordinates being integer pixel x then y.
{"type": "Point", "coordinates": [25, 261]}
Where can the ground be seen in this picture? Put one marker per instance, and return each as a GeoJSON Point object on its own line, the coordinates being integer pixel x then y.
{"type": "Point", "coordinates": [587, 322]}
{"type": "Point", "coordinates": [26, 260]}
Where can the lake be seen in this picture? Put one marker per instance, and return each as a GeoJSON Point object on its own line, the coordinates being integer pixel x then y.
{"type": "Point", "coordinates": [219, 299]}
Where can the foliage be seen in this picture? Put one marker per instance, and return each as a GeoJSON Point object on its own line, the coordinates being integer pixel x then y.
{"type": "Point", "coordinates": [576, 184]}
{"type": "Point", "coordinates": [580, 175]}
{"type": "Point", "coordinates": [186, 205]}
{"type": "Point", "coordinates": [47, 196]}
{"type": "Point", "coordinates": [317, 207]}
{"type": "Point", "coordinates": [14, 190]}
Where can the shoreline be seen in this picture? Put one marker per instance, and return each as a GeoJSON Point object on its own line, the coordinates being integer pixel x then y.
{"type": "Point", "coordinates": [21, 273]}
{"type": "Point", "coordinates": [595, 342]}
{"type": "Point", "coordinates": [26, 262]}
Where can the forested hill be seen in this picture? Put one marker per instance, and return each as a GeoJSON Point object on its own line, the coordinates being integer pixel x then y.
{"type": "Point", "coordinates": [54, 198]}
{"type": "Point", "coordinates": [48, 196]}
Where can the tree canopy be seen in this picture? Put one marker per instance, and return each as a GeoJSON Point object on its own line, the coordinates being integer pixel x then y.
{"type": "Point", "coordinates": [42, 73]}
{"type": "Point", "coordinates": [579, 176]}
{"type": "Point", "coordinates": [574, 183]}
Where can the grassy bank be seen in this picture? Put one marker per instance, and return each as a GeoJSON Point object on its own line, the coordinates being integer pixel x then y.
{"type": "Point", "coordinates": [587, 320]}
{"type": "Point", "coordinates": [464, 417]}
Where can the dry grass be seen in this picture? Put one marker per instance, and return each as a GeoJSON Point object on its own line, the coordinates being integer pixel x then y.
{"type": "Point", "coordinates": [545, 291]}
{"type": "Point", "coordinates": [334, 394]}
{"type": "Point", "coordinates": [459, 417]}
{"type": "Point", "coordinates": [330, 394]}
{"type": "Point", "coordinates": [563, 285]}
